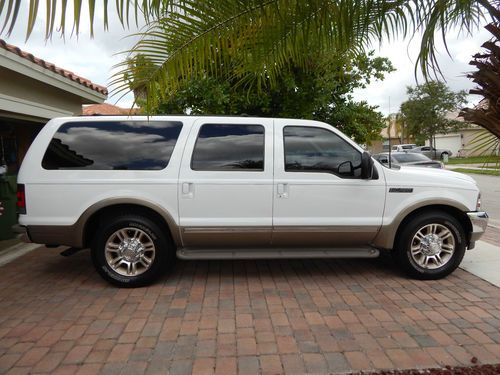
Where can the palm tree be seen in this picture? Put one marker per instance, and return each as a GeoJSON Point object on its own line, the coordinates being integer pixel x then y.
{"type": "Point", "coordinates": [487, 113]}
{"type": "Point", "coordinates": [185, 38]}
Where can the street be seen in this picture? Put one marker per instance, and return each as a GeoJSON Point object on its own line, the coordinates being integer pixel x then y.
{"type": "Point", "coordinates": [490, 196]}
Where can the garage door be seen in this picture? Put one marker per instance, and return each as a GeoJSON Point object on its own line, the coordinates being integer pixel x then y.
{"type": "Point", "coordinates": [451, 142]}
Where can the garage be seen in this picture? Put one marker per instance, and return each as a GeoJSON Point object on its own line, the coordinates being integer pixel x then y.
{"type": "Point", "coordinates": [451, 142]}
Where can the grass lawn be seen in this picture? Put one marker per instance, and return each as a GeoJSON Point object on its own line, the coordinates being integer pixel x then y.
{"type": "Point", "coordinates": [478, 171]}
{"type": "Point", "coordinates": [475, 160]}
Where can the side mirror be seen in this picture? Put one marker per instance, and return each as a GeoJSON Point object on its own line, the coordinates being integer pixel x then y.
{"type": "Point", "coordinates": [367, 166]}
{"type": "Point", "coordinates": [346, 168]}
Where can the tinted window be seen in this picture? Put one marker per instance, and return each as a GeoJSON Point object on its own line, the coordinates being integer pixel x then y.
{"type": "Point", "coordinates": [408, 158]}
{"type": "Point", "coordinates": [222, 147]}
{"type": "Point", "coordinates": [310, 149]}
{"type": "Point", "coordinates": [120, 145]}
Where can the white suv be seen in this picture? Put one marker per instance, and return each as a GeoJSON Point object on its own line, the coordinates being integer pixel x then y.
{"type": "Point", "coordinates": [140, 191]}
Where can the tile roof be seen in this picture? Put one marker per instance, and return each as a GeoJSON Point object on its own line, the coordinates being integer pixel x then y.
{"type": "Point", "coordinates": [107, 109]}
{"type": "Point", "coordinates": [47, 65]}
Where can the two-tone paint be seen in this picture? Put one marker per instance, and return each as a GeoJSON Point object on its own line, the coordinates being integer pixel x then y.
{"type": "Point", "coordinates": [239, 209]}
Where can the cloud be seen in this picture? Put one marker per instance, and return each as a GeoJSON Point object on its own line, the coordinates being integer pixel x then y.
{"type": "Point", "coordinates": [390, 93]}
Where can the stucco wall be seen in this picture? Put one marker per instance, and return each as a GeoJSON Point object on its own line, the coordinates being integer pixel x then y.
{"type": "Point", "coordinates": [468, 136]}
{"type": "Point", "coordinates": [16, 85]}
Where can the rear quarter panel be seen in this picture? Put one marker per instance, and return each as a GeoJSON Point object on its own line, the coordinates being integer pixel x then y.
{"type": "Point", "coordinates": [59, 197]}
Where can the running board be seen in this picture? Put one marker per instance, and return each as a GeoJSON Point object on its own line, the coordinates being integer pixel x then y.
{"type": "Point", "coordinates": [206, 254]}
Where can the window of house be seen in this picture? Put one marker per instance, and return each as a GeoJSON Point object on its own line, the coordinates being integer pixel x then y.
{"type": "Point", "coordinates": [311, 149]}
{"type": "Point", "coordinates": [227, 147]}
{"type": "Point", "coordinates": [112, 145]}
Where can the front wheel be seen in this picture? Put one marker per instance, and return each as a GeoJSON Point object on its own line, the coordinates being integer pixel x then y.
{"type": "Point", "coordinates": [430, 246]}
{"type": "Point", "coordinates": [131, 251]}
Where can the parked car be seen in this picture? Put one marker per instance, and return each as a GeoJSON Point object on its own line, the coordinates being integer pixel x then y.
{"type": "Point", "coordinates": [403, 147]}
{"type": "Point", "coordinates": [141, 191]}
{"type": "Point", "coordinates": [408, 159]}
{"type": "Point", "coordinates": [433, 153]}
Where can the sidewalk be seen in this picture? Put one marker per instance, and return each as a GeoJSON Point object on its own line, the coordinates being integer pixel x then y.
{"type": "Point", "coordinates": [470, 166]}
{"type": "Point", "coordinates": [484, 262]}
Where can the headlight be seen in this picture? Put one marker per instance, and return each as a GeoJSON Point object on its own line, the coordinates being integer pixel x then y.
{"type": "Point", "coordinates": [478, 203]}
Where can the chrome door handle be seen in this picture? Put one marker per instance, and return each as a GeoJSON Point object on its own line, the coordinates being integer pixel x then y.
{"type": "Point", "coordinates": [282, 190]}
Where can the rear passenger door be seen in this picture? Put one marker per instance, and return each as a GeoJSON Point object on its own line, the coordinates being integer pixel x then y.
{"type": "Point", "coordinates": [226, 183]}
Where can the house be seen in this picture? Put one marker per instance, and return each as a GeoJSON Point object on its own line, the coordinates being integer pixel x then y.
{"type": "Point", "coordinates": [107, 109]}
{"type": "Point", "coordinates": [391, 135]}
{"type": "Point", "coordinates": [462, 141]}
{"type": "Point", "coordinates": [32, 91]}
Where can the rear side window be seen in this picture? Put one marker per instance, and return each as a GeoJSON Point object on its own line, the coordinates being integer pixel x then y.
{"type": "Point", "coordinates": [226, 147]}
{"type": "Point", "coordinates": [112, 145]}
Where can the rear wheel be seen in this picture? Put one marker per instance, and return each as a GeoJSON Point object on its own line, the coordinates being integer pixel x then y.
{"type": "Point", "coordinates": [430, 246]}
{"type": "Point", "coordinates": [131, 251]}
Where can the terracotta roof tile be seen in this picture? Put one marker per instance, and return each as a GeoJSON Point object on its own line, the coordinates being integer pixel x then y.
{"type": "Point", "coordinates": [47, 65]}
{"type": "Point", "coordinates": [107, 109]}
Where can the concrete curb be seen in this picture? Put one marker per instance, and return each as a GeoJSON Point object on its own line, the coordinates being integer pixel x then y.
{"type": "Point", "coordinates": [13, 252]}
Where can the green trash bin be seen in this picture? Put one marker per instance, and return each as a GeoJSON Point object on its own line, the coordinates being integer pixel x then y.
{"type": "Point", "coordinates": [8, 196]}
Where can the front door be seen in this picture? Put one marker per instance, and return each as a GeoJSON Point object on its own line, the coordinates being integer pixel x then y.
{"type": "Point", "coordinates": [319, 198]}
{"type": "Point", "coordinates": [226, 182]}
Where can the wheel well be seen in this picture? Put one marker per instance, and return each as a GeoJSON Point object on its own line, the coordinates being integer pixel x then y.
{"type": "Point", "coordinates": [95, 220]}
{"type": "Point", "coordinates": [455, 212]}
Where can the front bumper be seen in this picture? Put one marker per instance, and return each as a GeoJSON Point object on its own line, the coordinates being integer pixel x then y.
{"type": "Point", "coordinates": [479, 221]}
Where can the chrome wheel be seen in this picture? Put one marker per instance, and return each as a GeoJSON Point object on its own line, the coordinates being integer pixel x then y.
{"type": "Point", "coordinates": [130, 251]}
{"type": "Point", "coordinates": [432, 246]}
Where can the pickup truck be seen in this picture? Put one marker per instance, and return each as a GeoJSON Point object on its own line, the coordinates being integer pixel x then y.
{"type": "Point", "coordinates": [142, 191]}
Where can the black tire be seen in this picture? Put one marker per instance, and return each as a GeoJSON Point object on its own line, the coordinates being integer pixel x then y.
{"type": "Point", "coordinates": [150, 233]}
{"type": "Point", "coordinates": [410, 263]}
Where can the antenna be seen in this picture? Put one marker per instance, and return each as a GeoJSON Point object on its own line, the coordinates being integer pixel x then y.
{"type": "Point", "coordinates": [389, 133]}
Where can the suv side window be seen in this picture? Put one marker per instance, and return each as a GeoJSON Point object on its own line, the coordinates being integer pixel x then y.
{"type": "Point", "coordinates": [112, 145]}
{"type": "Point", "coordinates": [227, 147]}
{"type": "Point", "coordinates": [311, 149]}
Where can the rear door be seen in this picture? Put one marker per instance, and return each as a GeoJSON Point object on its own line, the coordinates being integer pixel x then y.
{"type": "Point", "coordinates": [226, 182]}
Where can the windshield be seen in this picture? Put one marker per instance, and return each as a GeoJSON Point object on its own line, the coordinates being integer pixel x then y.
{"type": "Point", "coordinates": [409, 158]}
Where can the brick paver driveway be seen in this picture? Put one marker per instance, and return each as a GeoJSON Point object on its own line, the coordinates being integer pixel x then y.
{"type": "Point", "coordinates": [57, 315]}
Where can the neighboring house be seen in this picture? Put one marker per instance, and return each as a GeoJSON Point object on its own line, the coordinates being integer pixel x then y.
{"type": "Point", "coordinates": [32, 91]}
{"type": "Point", "coordinates": [391, 135]}
{"type": "Point", "coordinates": [461, 142]}
{"type": "Point", "coordinates": [106, 109]}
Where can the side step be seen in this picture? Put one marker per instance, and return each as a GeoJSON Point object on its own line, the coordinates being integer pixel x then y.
{"type": "Point", "coordinates": [206, 254]}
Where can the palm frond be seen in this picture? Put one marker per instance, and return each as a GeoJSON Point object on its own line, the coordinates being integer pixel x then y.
{"type": "Point", "coordinates": [125, 9]}
{"type": "Point", "coordinates": [258, 38]}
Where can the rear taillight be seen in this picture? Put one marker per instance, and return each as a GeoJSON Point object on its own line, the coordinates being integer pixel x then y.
{"type": "Point", "coordinates": [21, 199]}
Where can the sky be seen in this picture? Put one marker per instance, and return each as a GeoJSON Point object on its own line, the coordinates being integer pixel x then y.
{"type": "Point", "coordinates": [94, 58]}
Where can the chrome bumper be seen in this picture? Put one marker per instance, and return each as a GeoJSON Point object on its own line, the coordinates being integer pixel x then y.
{"type": "Point", "coordinates": [479, 221]}
{"type": "Point", "coordinates": [21, 233]}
